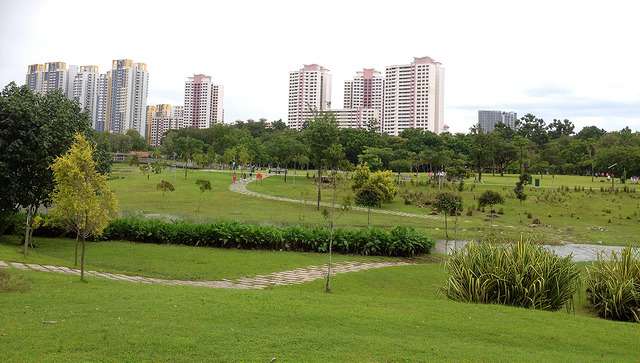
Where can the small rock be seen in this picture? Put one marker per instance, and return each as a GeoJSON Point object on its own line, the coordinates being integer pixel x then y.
{"type": "Point", "coordinates": [433, 213]}
{"type": "Point", "coordinates": [487, 219]}
{"type": "Point", "coordinates": [570, 228]}
{"type": "Point", "coordinates": [536, 221]}
{"type": "Point", "coordinates": [599, 242]}
{"type": "Point", "coordinates": [533, 225]}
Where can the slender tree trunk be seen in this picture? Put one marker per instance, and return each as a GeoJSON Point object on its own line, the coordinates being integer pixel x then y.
{"type": "Point", "coordinates": [491, 220]}
{"type": "Point", "coordinates": [82, 260]}
{"type": "Point", "coordinates": [319, 185]}
{"type": "Point", "coordinates": [84, 236]}
{"type": "Point", "coordinates": [333, 207]}
{"type": "Point", "coordinates": [369, 217]}
{"type": "Point", "coordinates": [455, 228]}
{"type": "Point", "coordinates": [26, 231]}
{"type": "Point", "coordinates": [446, 230]}
{"type": "Point", "coordinates": [520, 211]}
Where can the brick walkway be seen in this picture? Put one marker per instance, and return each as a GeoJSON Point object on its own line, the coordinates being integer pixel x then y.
{"type": "Point", "coordinates": [292, 277]}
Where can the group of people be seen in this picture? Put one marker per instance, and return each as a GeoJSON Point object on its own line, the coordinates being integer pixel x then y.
{"type": "Point", "coordinates": [244, 177]}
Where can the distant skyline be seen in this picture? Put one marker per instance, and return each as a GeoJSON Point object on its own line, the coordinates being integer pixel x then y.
{"type": "Point", "coordinates": [555, 59]}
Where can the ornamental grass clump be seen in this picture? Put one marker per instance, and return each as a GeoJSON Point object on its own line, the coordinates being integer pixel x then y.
{"type": "Point", "coordinates": [613, 285]}
{"type": "Point", "coordinates": [522, 274]}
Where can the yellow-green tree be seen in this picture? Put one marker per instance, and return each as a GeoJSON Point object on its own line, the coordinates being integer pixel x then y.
{"type": "Point", "coordinates": [82, 201]}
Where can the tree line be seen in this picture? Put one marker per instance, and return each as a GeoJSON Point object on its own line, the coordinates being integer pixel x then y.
{"type": "Point", "coordinates": [533, 146]}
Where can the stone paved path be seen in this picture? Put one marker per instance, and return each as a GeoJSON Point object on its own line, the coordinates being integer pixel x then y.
{"type": "Point", "coordinates": [292, 277]}
{"type": "Point", "coordinates": [240, 187]}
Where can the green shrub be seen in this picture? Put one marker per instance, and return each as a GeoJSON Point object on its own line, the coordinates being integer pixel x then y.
{"type": "Point", "coordinates": [399, 241]}
{"type": "Point", "coordinates": [523, 274]}
{"type": "Point", "coordinates": [613, 286]}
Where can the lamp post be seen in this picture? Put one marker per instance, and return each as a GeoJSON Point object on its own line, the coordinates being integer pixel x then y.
{"type": "Point", "coordinates": [612, 180]}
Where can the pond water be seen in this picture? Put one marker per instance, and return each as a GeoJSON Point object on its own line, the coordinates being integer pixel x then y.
{"type": "Point", "coordinates": [580, 252]}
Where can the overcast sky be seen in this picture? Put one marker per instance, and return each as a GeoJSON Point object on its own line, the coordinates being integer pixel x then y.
{"type": "Point", "coordinates": [578, 60]}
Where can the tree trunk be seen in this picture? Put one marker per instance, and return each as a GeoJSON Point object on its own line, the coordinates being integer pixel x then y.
{"type": "Point", "coordinates": [446, 230]}
{"type": "Point", "coordinates": [84, 236]}
{"type": "Point", "coordinates": [82, 260]}
{"type": "Point", "coordinates": [369, 217]}
{"type": "Point", "coordinates": [491, 220]}
{"type": "Point", "coordinates": [521, 211]}
{"type": "Point", "coordinates": [333, 207]}
{"type": "Point", "coordinates": [26, 232]}
{"type": "Point", "coordinates": [455, 228]}
{"type": "Point", "coordinates": [319, 185]}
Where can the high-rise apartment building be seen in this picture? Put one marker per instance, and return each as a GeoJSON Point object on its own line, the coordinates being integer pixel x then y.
{"type": "Point", "coordinates": [202, 102]}
{"type": "Point", "coordinates": [42, 78]}
{"type": "Point", "coordinates": [127, 97]}
{"type": "Point", "coordinates": [413, 97]}
{"type": "Point", "coordinates": [309, 90]}
{"type": "Point", "coordinates": [488, 119]}
{"type": "Point", "coordinates": [86, 85]}
{"type": "Point", "coordinates": [162, 118]}
{"type": "Point", "coordinates": [365, 90]}
{"type": "Point", "coordinates": [363, 100]}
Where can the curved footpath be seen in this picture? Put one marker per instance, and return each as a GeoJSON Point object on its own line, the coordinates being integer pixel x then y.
{"type": "Point", "coordinates": [310, 273]}
{"type": "Point", "coordinates": [292, 277]}
{"type": "Point", "coordinates": [241, 187]}
{"type": "Point", "coordinates": [580, 252]}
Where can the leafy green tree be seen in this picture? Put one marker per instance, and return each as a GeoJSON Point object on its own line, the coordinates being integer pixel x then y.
{"type": "Point", "coordinates": [165, 186]}
{"type": "Point", "coordinates": [320, 135]}
{"type": "Point", "coordinates": [480, 153]}
{"type": "Point", "coordinates": [590, 132]}
{"type": "Point", "coordinates": [360, 176]}
{"type": "Point", "coordinates": [204, 185]}
{"type": "Point", "coordinates": [188, 148]}
{"type": "Point", "coordinates": [370, 159]}
{"type": "Point", "coordinates": [558, 128]}
{"type": "Point", "coordinates": [120, 143]}
{"type": "Point", "coordinates": [449, 205]}
{"type": "Point", "coordinates": [519, 190]}
{"type": "Point", "coordinates": [533, 128]}
{"type": "Point", "coordinates": [490, 198]}
{"type": "Point", "coordinates": [399, 166]}
{"type": "Point", "coordinates": [504, 152]}
{"type": "Point", "coordinates": [34, 130]}
{"type": "Point", "coordinates": [368, 195]}
{"type": "Point", "coordinates": [382, 180]}
{"type": "Point", "coordinates": [331, 217]}
{"type": "Point", "coordinates": [82, 200]}
{"type": "Point", "coordinates": [132, 160]}
{"type": "Point", "coordinates": [138, 143]}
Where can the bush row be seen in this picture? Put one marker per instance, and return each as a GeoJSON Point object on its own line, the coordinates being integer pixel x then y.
{"type": "Point", "coordinates": [399, 241]}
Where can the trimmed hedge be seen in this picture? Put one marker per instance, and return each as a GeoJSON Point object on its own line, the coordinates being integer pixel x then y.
{"type": "Point", "coordinates": [399, 241]}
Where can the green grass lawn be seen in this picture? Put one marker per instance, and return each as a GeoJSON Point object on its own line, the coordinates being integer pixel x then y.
{"type": "Point", "coordinates": [567, 216]}
{"type": "Point", "coordinates": [166, 261]}
{"type": "Point", "coordinates": [381, 315]}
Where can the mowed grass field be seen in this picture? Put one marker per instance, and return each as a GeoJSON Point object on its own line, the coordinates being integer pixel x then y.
{"type": "Point", "coordinates": [391, 314]}
{"type": "Point", "coordinates": [573, 216]}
